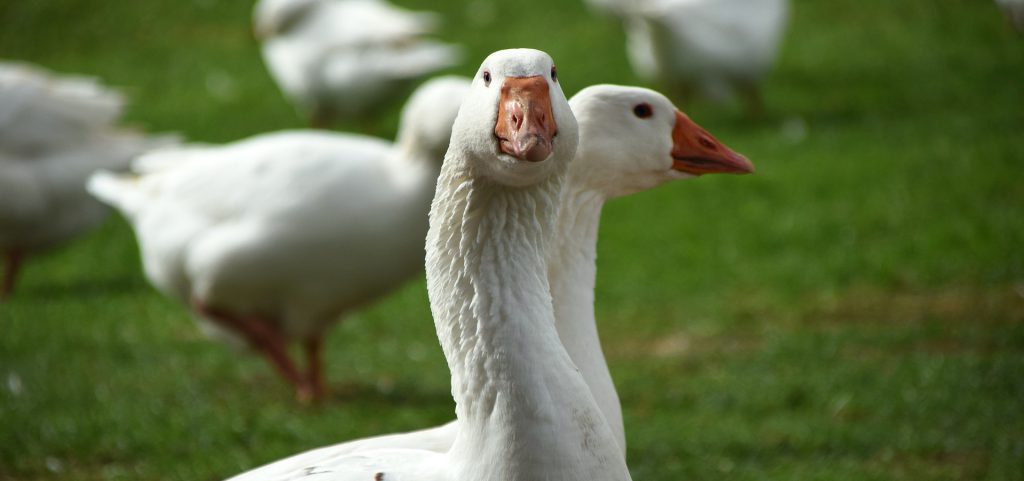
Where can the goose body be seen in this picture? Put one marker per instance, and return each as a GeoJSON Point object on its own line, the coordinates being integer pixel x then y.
{"type": "Point", "coordinates": [342, 58]}
{"type": "Point", "coordinates": [54, 132]}
{"type": "Point", "coordinates": [708, 47]}
{"type": "Point", "coordinates": [524, 412]}
{"type": "Point", "coordinates": [287, 232]}
{"type": "Point", "coordinates": [620, 153]}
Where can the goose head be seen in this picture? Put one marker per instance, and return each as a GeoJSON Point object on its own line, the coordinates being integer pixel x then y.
{"type": "Point", "coordinates": [515, 126]}
{"type": "Point", "coordinates": [429, 113]}
{"type": "Point", "coordinates": [633, 139]}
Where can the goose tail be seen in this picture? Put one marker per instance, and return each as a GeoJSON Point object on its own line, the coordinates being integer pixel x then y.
{"type": "Point", "coordinates": [120, 191]}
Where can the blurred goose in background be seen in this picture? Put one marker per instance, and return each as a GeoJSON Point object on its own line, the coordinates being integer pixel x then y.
{"type": "Point", "coordinates": [54, 132]}
{"type": "Point", "coordinates": [275, 238]}
{"type": "Point", "coordinates": [707, 47]}
{"type": "Point", "coordinates": [616, 8]}
{"type": "Point", "coordinates": [341, 59]}
{"type": "Point", "coordinates": [1014, 11]}
{"type": "Point", "coordinates": [524, 410]}
{"type": "Point", "coordinates": [631, 139]}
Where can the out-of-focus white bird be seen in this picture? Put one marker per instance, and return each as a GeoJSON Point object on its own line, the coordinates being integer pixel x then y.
{"type": "Point", "coordinates": [1014, 10]}
{"type": "Point", "coordinates": [274, 238]}
{"type": "Point", "coordinates": [343, 58]}
{"type": "Point", "coordinates": [618, 8]}
{"type": "Point", "coordinates": [707, 47]}
{"type": "Point", "coordinates": [54, 132]}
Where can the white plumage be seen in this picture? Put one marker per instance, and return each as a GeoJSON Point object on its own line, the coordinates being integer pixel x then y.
{"type": "Point", "coordinates": [54, 132]}
{"type": "Point", "coordinates": [620, 153]}
{"type": "Point", "coordinates": [524, 411]}
{"type": "Point", "coordinates": [343, 58]}
{"type": "Point", "coordinates": [708, 47]}
{"type": "Point", "coordinates": [276, 237]}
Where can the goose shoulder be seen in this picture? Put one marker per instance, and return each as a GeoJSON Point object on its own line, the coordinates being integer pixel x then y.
{"type": "Point", "coordinates": [268, 174]}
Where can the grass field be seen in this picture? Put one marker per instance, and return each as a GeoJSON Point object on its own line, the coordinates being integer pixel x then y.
{"type": "Point", "coordinates": [854, 311]}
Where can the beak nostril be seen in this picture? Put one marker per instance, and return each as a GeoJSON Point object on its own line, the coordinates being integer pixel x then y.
{"type": "Point", "coordinates": [707, 144]}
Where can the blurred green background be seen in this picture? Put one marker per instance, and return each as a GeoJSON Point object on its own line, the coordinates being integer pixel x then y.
{"type": "Point", "coordinates": [854, 311]}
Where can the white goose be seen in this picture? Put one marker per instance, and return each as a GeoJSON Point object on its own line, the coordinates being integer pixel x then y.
{"type": "Point", "coordinates": [617, 8]}
{"type": "Point", "coordinates": [524, 411]}
{"type": "Point", "coordinates": [631, 139]}
{"type": "Point", "coordinates": [341, 58]}
{"type": "Point", "coordinates": [54, 132]}
{"type": "Point", "coordinates": [276, 237]}
{"type": "Point", "coordinates": [708, 47]}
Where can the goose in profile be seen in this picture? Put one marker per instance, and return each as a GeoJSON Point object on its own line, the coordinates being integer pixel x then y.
{"type": "Point", "coordinates": [54, 132]}
{"type": "Point", "coordinates": [630, 140]}
{"type": "Point", "coordinates": [275, 238]}
{"type": "Point", "coordinates": [341, 59]}
{"type": "Point", "coordinates": [712, 48]}
{"type": "Point", "coordinates": [524, 411]}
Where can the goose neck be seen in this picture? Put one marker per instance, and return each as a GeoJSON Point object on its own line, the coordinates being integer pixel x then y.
{"type": "Point", "coordinates": [522, 406]}
{"type": "Point", "coordinates": [572, 271]}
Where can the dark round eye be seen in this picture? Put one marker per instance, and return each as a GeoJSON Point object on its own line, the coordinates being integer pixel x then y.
{"type": "Point", "coordinates": [554, 73]}
{"type": "Point", "coordinates": [487, 77]}
{"type": "Point", "coordinates": [643, 110]}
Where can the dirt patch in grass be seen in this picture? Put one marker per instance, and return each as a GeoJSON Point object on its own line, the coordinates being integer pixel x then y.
{"type": "Point", "coordinates": [940, 322]}
{"type": "Point", "coordinates": [996, 305]}
{"type": "Point", "coordinates": [682, 345]}
{"type": "Point", "coordinates": [931, 465]}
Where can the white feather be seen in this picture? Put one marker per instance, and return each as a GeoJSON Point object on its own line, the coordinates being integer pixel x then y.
{"type": "Point", "coordinates": [524, 410]}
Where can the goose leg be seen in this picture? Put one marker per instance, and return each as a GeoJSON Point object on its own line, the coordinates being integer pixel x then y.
{"type": "Point", "coordinates": [314, 367]}
{"type": "Point", "coordinates": [320, 118]}
{"type": "Point", "coordinates": [14, 257]}
{"type": "Point", "coordinates": [266, 339]}
{"type": "Point", "coordinates": [752, 99]}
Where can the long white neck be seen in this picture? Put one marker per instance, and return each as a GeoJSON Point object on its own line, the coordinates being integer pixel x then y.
{"type": "Point", "coordinates": [572, 271]}
{"type": "Point", "coordinates": [525, 412]}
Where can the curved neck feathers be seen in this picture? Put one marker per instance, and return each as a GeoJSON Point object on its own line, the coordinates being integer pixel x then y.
{"type": "Point", "coordinates": [525, 412]}
{"type": "Point", "coordinates": [416, 167]}
{"type": "Point", "coordinates": [572, 272]}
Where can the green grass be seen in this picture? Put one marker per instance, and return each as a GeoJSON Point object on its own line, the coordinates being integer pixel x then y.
{"type": "Point", "coordinates": [855, 311]}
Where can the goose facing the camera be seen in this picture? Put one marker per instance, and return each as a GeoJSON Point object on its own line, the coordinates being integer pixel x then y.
{"type": "Point", "coordinates": [524, 411]}
{"type": "Point", "coordinates": [631, 139]}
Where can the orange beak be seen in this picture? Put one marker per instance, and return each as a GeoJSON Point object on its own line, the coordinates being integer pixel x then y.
{"type": "Point", "coordinates": [525, 126]}
{"type": "Point", "coordinates": [696, 152]}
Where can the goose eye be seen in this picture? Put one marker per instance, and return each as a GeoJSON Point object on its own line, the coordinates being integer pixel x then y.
{"type": "Point", "coordinates": [487, 78]}
{"type": "Point", "coordinates": [643, 110]}
{"type": "Point", "coordinates": [554, 74]}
